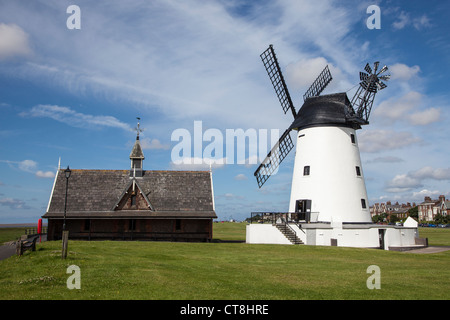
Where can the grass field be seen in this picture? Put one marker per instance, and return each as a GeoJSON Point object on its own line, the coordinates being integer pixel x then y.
{"type": "Point", "coordinates": [225, 271]}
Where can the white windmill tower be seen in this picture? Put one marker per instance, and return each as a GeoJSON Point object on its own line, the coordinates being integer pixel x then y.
{"type": "Point", "coordinates": [328, 182]}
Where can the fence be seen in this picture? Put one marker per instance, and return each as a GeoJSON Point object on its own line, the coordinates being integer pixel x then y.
{"type": "Point", "coordinates": [279, 217]}
{"type": "Point", "coordinates": [30, 231]}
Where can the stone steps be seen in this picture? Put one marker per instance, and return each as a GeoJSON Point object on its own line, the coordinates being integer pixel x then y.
{"type": "Point", "coordinates": [289, 234]}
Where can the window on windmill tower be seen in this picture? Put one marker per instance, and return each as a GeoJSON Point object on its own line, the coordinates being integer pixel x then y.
{"type": "Point", "coordinates": [358, 171]}
{"type": "Point", "coordinates": [353, 138]}
{"type": "Point", "coordinates": [363, 203]}
{"type": "Point", "coordinates": [306, 170]}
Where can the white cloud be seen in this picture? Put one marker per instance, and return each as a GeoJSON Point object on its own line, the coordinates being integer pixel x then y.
{"type": "Point", "coordinates": [398, 108]}
{"type": "Point", "coordinates": [240, 177]}
{"type": "Point", "coordinates": [24, 165]}
{"type": "Point", "coordinates": [425, 117]}
{"type": "Point", "coordinates": [13, 203]}
{"type": "Point", "coordinates": [425, 193]}
{"type": "Point", "coordinates": [387, 159]}
{"type": "Point", "coordinates": [200, 58]}
{"type": "Point", "coordinates": [382, 140]}
{"type": "Point", "coordinates": [414, 179]}
{"type": "Point", "coordinates": [431, 173]}
{"type": "Point", "coordinates": [403, 20]}
{"type": "Point", "coordinates": [153, 144]}
{"type": "Point", "coordinates": [76, 119]}
{"type": "Point", "coordinates": [422, 22]}
{"type": "Point", "coordinates": [46, 174]}
{"type": "Point", "coordinates": [400, 71]}
{"type": "Point", "coordinates": [27, 165]}
{"type": "Point", "coordinates": [196, 163]}
{"type": "Point", "coordinates": [407, 108]}
{"type": "Point", "coordinates": [13, 41]}
{"type": "Point", "coordinates": [303, 72]}
{"type": "Point", "coordinates": [403, 182]}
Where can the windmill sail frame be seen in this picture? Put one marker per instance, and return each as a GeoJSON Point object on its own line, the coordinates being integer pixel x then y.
{"type": "Point", "coordinates": [273, 159]}
{"type": "Point", "coordinates": [319, 84]}
{"type": "Point", "coordinates": [273, 69]}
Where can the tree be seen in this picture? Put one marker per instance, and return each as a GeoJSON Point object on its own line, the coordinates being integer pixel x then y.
{"type": "Point", "coordinates": [440, 219]}
{"type": "Point", "coordinates": [393, 218]}
{"type": "Point", "coordinates": [414, 212]}
{"type": "Point", "coordinates": [376, 218]}
{"type": "Point", "coordinates": [379, 218]}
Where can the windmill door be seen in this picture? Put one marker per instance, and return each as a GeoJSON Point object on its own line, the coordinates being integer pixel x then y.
{"type": "Point", "coordinates": [303, 209]}
{"type": "Point", "coordinates": [381, 233]}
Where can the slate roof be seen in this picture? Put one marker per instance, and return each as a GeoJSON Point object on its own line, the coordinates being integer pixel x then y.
{"type": "Point", "coordinates": [136, 152]}
{"type": "Point", "coordinates": [94, 193]}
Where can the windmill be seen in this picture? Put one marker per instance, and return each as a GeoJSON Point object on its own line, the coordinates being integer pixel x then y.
{"type": "Point", "coordinates": [327, 181]}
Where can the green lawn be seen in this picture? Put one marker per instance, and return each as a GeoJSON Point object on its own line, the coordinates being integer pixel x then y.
{"type": "Point", "coordinates": [9, 234]}
{"type": "Point", "coordinates": [436, 236]}
{"type": "Point", "coordinates": [167, 271]}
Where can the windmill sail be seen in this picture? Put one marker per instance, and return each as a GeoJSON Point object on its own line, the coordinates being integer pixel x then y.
{"type": "Point", "coordinates": [273, 69]}
{"type": "Point", "coordinates": [273, 159]}
{"type": "Point", "coordinates": [319, 84]}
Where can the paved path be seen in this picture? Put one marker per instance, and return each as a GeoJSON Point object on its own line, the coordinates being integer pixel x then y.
{"type": "Point", "coordinates": [429, 250]}
{"type": "Point", "coordinates": [7, 250]}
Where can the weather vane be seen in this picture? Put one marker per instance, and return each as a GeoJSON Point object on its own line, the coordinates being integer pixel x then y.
{"type": "Point", "coordinates": [138, 128]}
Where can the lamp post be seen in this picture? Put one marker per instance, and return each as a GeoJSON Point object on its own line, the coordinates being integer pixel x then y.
{"type": "Point", "coordinates": [67, 172]}
{"type": "Point", "coordinates": [65, 233]}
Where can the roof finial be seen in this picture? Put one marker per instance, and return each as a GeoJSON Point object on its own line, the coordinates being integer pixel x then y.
{"type": "Point", "coordinates": [138, 128]}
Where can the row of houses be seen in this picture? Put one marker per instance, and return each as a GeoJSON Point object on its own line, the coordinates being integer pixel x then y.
{"type": "Point", "coordinates": [389, 209]}
{"type": "Point", "coordinates": [427, 210]}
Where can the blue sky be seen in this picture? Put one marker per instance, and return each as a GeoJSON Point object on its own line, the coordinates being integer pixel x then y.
{"type": "Point", "coordinates": [75, 94]}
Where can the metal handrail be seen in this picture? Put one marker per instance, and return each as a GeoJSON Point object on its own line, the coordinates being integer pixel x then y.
{"type": "Point", "coordinates": [267, 216]}
{"type": "Point", "coordinates": [286, 224]}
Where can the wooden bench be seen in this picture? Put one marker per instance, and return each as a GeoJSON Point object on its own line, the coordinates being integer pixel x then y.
{"type": "Point", "coordinates": [24, 243]}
